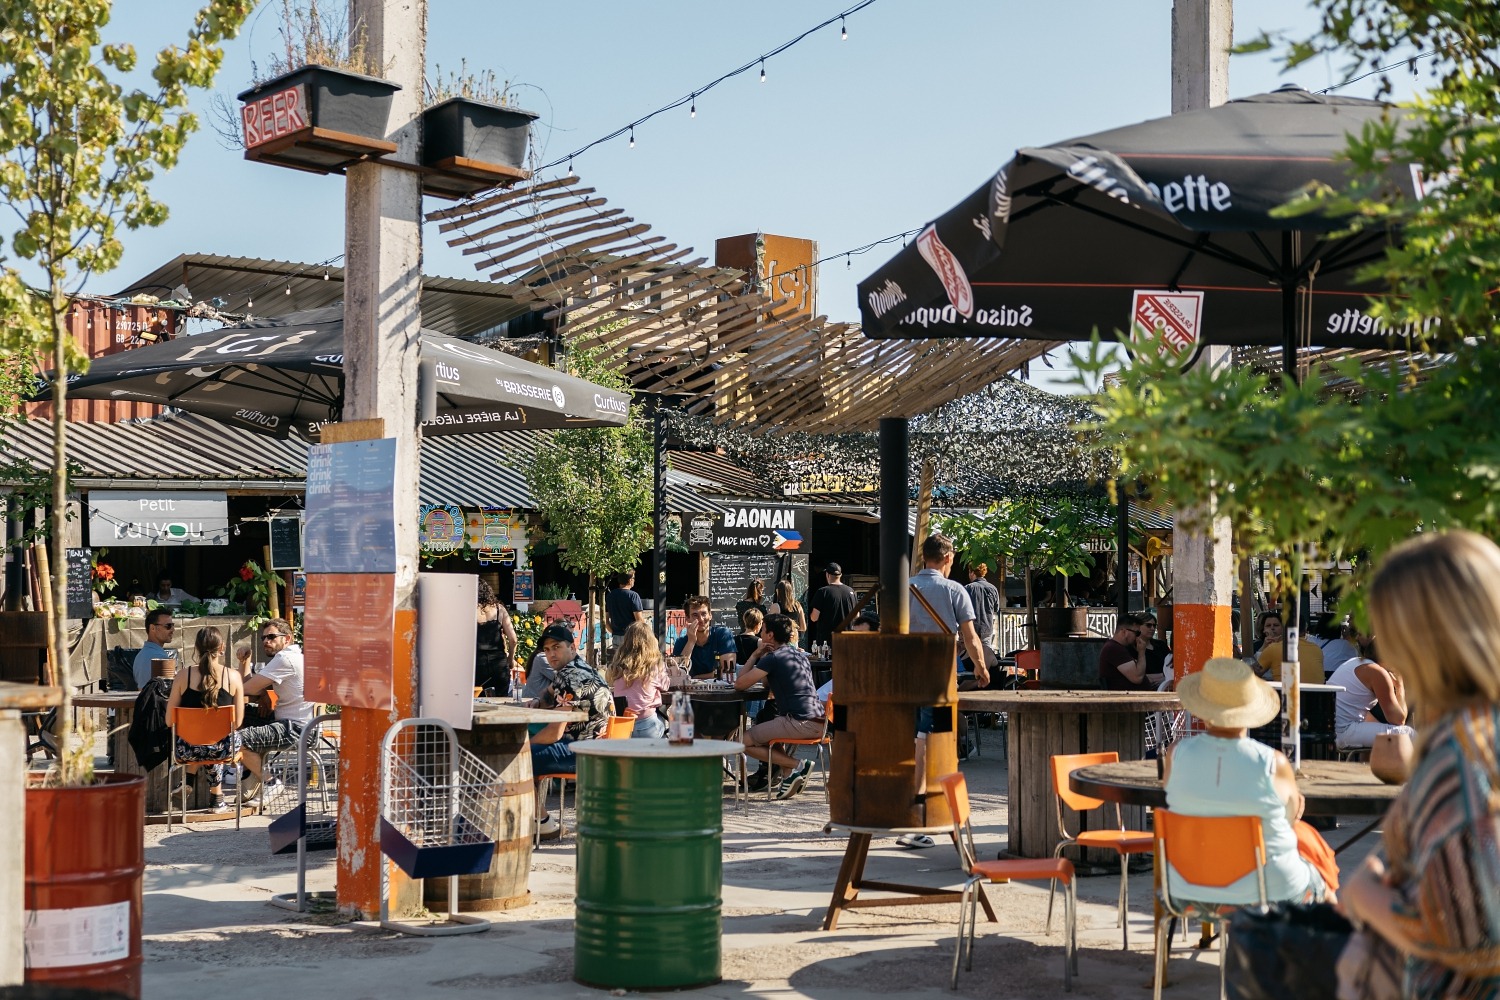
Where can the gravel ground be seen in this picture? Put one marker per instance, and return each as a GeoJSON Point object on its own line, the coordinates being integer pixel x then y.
{"type": "Point", "coordinates": [209, 927]}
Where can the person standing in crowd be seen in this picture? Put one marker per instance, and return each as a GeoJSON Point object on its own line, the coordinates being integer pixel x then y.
{"type": "Point", "coordinates": [786, 603]}
{"type": "Point", "coordinates": [1122, 660]}
{"type": "Point", "coordinates": [799, 715]}
{"type": "Point", "coordinates": [209, 684]}
{"type": "Point", "coordinates": [159, 629]}
{"type": "Point", "coordinates": [637, 674]}
{"type": "Point", "coordinates": [755, 597]}
{"type": "Point", "coordinates": [985, 597]}
{"type": "Point", "coordinates": [576, 686]}
{"type": "Point", "coordinates": [284, 672]}
{"type": "Point", "coordinates": [950, 600]}
{"type": "Point", "coordinates": [830, 605]}
{"type": "Point", "coordinates": [1158, 653]}
{"type": "Point", "coordinates": [710, 647]}
{"type": "Point", "coordinates": [165, 593]}
{"type": "Point", "coordinates": [1426, 900]}
{"type": "Point", "coordinates": [494, 644]}
{"type": "Point", "coordinates": [622, 605]}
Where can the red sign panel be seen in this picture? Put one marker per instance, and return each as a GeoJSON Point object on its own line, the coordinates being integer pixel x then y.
{"type": "Point", "coordinates": [347, 638]}
{"type": "Point", "coordinates": [274, 115]}
{"type": "Point", "coordinates": [1171, 319]}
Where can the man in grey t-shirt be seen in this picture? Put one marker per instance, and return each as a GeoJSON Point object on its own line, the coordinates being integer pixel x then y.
{"type": "Point", "coordinates": [949, 599]}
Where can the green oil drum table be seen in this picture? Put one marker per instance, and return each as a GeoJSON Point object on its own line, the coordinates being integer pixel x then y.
{"type": "Point", "coordinates": [650, 863]}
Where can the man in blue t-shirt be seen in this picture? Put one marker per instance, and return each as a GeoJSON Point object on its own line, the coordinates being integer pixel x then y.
{"type": "Point", "coordinates": [159, 629]}
{"type": "Point", "coordinates": [799, 715]}
{"type": "Point", "coordinates": [622, 605]}
{"type": "Point", "coordinates": [709, 646]}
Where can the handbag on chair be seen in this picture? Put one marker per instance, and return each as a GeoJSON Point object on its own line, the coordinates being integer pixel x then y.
{"type": "Point", "coordinates": [1288, 952]}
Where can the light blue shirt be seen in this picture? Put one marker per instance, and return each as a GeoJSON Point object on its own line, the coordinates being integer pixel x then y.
{"type": "Point", "coordinates": [141, 668]}
{"type": "Point", "coordinates": [947, 597]}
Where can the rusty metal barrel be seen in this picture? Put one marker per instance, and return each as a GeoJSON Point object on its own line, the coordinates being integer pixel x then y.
{"type": "Point", "coordinates": [880, 681]}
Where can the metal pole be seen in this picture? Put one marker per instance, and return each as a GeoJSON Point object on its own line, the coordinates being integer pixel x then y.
{"type": "Point", "coordinates": [1288, 309]}
{"type": "Point", "coordinates": [659, 514]}
{"type": "Point", "coordinates": [895, 494]}
{"type": "Point", "coordinates": [1122, 550]}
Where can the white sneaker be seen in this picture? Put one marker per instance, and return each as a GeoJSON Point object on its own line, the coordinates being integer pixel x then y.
{"type": "Point", "coordinates": [792, 783]}
{"type": "Point", "coordinates": [551, 826]}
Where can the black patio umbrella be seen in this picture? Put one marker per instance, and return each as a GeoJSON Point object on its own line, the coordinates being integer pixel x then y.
{"type": "Point", "coordinates": [286, 376]}
{"type": "Point", "coordinates": [1166, 224]}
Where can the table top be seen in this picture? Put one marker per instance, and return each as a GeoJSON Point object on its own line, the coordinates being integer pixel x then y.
{"type": "Point", "coordinates": [723, 693]}
{"type": "Point", "coordinates": [1068, 701]}
{"type": "Point", "coordinates": [1330, 787]}
{"type": "Point", "coordinates": [106, 699]}
{"type": "Point", "coordinates": [1310, 687]}
{"type": "Point", "coordinates": [18, 697]}
{"type": "Point", "coordinates": [656, 749]}
{"type": "Point", "coordinates": [508, 713]}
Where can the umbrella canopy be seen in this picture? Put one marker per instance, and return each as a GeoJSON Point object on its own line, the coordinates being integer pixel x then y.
{"type": "Point", "coordinates": [1163, 225]}
{"type": "Point", "coordinates": [286, 376]}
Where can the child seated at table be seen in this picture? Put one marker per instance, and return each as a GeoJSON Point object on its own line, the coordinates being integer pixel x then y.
{"type": "Point", "coordinates": [1223, 772]}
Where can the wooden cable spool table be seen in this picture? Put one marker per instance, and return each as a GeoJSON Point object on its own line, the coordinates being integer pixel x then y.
{"type": "Point", "coordinates": [1043, 724]}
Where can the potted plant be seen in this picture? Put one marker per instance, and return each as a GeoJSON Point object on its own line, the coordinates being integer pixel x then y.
{"type": "Point", "coordinates": [250, 589]}
{"type": "Point", "coordinates": [473, 135]}
{"type": "Point", "coordinates": [1049, 535]}
{"type": "Point", "coordinates": [545, 594]}
{"type": "Point", "coordinates": [324, 103]}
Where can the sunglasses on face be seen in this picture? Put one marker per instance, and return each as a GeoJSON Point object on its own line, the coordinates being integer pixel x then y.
{"type": "Point", "coordinates": [166, 625]}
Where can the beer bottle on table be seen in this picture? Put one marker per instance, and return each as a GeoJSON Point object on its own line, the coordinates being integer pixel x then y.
{"type": "Point", "coordinates": [680, 722]}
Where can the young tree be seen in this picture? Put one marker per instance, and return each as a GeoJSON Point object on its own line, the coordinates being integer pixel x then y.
{"type": "Point", "coordinates": [78, 150]}
{"type": "Point", "coordinates": [593, 488]}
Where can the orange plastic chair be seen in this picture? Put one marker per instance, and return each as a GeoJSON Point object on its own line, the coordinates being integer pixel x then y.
{"type": "Point", "coordinates": [1029, 660]}
{"type": "Point", "coordinates": [956, 791]}
{"type": "Point", "coordinates": [620, 727]}
{"type": "Point", "coordinates": [822, 743]}
{"type": "Point", "coordinates": [201, 727]}
{"type": "Point", "coordinates": [1124, 842]}
{"type": "Point", "coordinates": [1209, 851]}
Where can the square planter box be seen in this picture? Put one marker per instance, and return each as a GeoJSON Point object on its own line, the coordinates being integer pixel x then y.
{"type": "Point", "coordinates": [468, 146]}
{"type": "Point", "coordinates": [317, 118]}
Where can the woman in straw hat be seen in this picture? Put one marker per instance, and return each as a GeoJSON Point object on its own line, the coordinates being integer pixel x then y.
{"type": "Point", "coordinates": [1429, 899]}
{"type": "Point", "coordinates": [1225, 773]}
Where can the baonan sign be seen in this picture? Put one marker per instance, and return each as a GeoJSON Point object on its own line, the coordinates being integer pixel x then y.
{"type": "Point", "coordinates": [751, 528]}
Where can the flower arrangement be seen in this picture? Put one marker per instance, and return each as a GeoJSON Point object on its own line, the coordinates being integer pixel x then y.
{"type": "Point", "coordinates": [251, 587]}
{"type": "Point", "coordinates": [102, 573]}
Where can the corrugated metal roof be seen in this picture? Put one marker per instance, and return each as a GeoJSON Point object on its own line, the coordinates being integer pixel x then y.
{"type": "Point", "coordinates": [186, 451]}
{"type": "Point", "coordinates": [455, 306]}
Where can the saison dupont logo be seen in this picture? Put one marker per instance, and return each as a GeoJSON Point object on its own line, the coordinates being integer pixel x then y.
{"type": "Point", "coordinates": [1171, 319]}
{"type": "Point", "coordinates": [945, 265]}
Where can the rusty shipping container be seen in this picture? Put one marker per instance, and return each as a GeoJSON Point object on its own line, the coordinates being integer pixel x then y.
{"type": "Point", "coordinates": [102, 330]}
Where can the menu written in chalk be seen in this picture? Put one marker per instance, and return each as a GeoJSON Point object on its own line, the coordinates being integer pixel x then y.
{"type": "Point", "coordinates": [80, 583]}
{"type": "Point", "coordinates": [286, 543]}
{"type": "Point", "coordinates": [351, 507]}
{"type": "Point", "coordinates": [729, 573]}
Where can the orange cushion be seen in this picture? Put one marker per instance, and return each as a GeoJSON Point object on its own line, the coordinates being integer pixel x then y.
{"type": "Point", "coordinates": [1026, 868]}
{"type": "Point", "coordinates": [1124, 841]}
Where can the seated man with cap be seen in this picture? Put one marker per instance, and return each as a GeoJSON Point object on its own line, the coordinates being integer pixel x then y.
{"type": "Point", "coordinates": [576, 687]}
{"type": "Point", "coordinates": [1223, 772]}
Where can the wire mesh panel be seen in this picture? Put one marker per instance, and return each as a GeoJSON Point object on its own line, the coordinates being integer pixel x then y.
{"type": "Point", "coordinates": [320, 801]}
{"type": "Point", "coordinates": [440, 805]}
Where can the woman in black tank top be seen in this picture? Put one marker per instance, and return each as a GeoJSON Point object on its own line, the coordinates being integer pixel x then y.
{"type": "Point", "coordinates": [209, 683]}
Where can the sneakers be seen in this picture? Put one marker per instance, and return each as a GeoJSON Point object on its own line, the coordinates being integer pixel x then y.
{"type": "Point", "coordinates": [549, 826]}
{"type": "Point", "coordinates": [792, 783]}
{"type": "Point", "coordinates": [758, 781]}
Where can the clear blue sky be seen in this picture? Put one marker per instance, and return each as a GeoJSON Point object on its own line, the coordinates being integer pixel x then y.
{"type": "Point", "coordinates": [845, 143]}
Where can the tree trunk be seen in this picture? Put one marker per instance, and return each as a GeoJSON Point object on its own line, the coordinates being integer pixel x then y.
{"type": "Point", "coordinates": [57, 621]}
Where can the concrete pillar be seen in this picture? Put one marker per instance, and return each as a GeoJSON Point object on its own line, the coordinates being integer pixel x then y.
{"type": "Point", "coordinates": [382, 320]}
{"type": "Point", "coordinates": [12, 847]}
{"type": "Point", "coordinates": [1202, 555]}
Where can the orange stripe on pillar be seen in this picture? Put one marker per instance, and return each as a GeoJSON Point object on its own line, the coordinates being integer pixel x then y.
{"type": "Point", "coordinates": [363, 729]}
{"type": "Point", "coordinates": [1199, 632]}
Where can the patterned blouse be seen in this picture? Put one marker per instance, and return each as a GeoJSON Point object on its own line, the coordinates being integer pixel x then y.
{"type": "Point", "coordinates": [1442, 843]}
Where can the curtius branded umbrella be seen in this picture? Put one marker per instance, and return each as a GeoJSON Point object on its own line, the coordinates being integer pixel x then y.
{"type": "Point", "coordinates": [1163, 226]}
{"type": "Point", "coordinates": [286, 376]}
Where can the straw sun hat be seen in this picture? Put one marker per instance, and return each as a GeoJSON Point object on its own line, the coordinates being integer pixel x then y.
{"type": "Point", "coordinates": [1226, 695]}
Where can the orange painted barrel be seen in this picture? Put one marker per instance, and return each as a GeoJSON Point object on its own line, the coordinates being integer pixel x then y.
{"type": "Point", "coordinates": [504, 886]}
{"type": "Point", "coordinates": [85, 859]}
{"type": "Point", "coordinates": [880, 681]}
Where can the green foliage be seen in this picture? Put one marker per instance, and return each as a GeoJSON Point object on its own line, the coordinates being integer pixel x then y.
{"type": "Point", "coordinates": [78, 151]}
{"type": "Point", "coordinates": [1049, 535]}
{"type": "Point", "coordinates": [251, 587]}
{"type": "Point", "coordinates": [593, 487]}
{"type": "Point", "coordinates": [528, 636]}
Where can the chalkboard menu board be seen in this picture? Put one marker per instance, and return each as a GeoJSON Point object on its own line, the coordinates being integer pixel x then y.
{"type": "Point", "coordinates": [80, 583]}
{"type": "Point", "coordinates": [286, 543]}
{"type": "Point", "coordinates": [729, 573]}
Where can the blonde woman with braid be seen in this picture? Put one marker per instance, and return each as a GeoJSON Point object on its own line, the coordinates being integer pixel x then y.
{"type": "Point", "coordinates": [638, 674]}
{"type": "Point", "coordinates": [206, 684]}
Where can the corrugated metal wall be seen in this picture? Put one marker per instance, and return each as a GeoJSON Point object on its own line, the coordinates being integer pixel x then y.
{"type": "Point", "coordinates": [101, 330]}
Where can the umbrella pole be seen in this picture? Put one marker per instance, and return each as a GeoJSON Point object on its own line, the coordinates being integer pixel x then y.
{"type": "Point", "coordinates": [1288, 309]}
{"type": "Point", "coordinates": [895, 469]}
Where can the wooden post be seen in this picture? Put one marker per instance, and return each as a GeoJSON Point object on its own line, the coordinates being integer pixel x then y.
{"type": "Point", "coordinates": [273, 604]}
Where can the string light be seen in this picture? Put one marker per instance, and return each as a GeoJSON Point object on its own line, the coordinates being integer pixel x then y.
{"type": "Point", "coordinates": [691, 98]}
{"type": "Point", "coordinates": [289, 289]}
{"type": "Point", "coordinates": [325, 274]}
{"type": "Point", "coordinates": [632, 138]}
{"type": "Point", "coordinates": [843, 31]}
{"type": "Point", "coordinates": [570, 166]}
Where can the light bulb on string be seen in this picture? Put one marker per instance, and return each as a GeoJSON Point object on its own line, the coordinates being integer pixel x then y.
{"type": "Point", "coordinates": [848, 261]}
{"type": "Point", "coordinates": [289, 289]}
{"type": "Point", "coordinates": [325, 274]}
{"type": "Point", "coordinates": [632, 137]}
{"type": "Point", "coordinates": [236, 531]}
{"type": "Point", "coordinates": [693, 108]}
{"type": "Point", "coordinates": [762, 71]}
{"type": "Point", "coordinates": [570, 166]}
{"type": "Point", "coordinates": [843, 31]}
